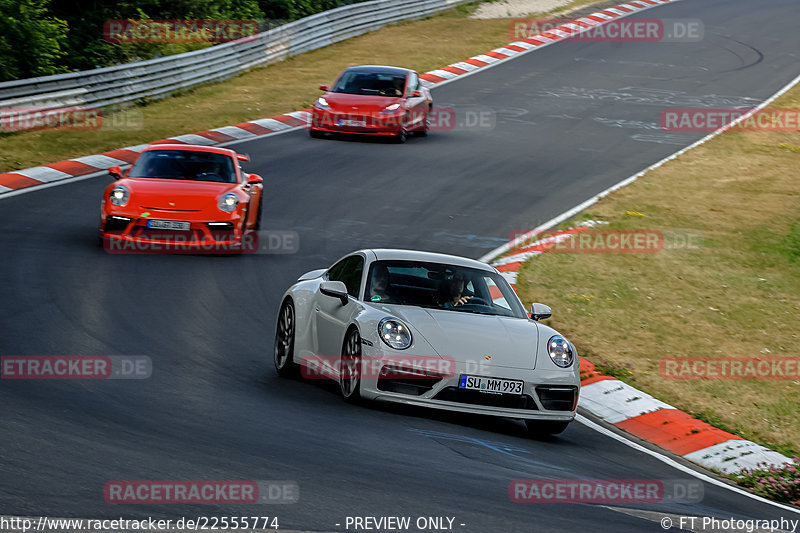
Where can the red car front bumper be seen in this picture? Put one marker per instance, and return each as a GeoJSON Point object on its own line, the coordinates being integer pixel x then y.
{"type": "Point", "coordinates": [366, 123]}
{"type": "Point", "coordinates": [122, 234]}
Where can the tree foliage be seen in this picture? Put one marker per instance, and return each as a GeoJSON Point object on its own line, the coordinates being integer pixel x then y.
{"type": "Point", "coordinates": [42, 37]}
{"type": "Point", "coordinates": [30, 40]}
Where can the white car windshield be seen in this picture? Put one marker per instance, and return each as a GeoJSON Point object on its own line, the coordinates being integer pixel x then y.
{"type": "Point", "coordinates": [442, 286]}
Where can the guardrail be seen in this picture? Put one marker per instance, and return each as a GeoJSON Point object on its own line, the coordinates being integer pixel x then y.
{"type": "Point", "coordinates": [157, 78]}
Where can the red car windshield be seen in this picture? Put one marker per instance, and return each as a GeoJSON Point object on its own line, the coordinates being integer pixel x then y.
{"type": "Point", "coordinates": [184, 165]}
{"type": "Point", "coordinates": [370, 83]}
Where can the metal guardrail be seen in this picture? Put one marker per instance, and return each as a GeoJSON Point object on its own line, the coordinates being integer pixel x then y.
{"type": "Point", "coordinates": [157, 78]}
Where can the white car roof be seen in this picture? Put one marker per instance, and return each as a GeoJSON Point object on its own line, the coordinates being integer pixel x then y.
{"type": "Point", "coordinates": [387, 254]}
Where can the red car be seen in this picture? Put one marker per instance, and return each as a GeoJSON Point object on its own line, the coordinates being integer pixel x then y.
{"type": "Point", "coordinates": [374, 100]}
{"type": "Point", "coordinates": [181, 197]}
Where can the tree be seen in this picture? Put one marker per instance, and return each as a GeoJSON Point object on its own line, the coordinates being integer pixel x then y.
{"type": "Point", "coordinates": [30, 40]}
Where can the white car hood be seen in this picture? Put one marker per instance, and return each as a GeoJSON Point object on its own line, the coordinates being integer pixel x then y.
{"type": "Point", "coordinates": [469, 337]}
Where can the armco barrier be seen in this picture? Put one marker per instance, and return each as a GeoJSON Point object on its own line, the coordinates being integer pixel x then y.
{"type": "Point", "coordinates": [157, 78]}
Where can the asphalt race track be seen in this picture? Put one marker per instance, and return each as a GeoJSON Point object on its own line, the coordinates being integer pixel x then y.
{"type": "Point", "coordinates": [570, 120]}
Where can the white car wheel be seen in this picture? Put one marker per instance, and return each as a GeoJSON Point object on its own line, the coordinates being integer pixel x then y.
{"type": "Point", "coordinates": [284, 341]}
{"type": "Point", "coordinates": [350, 376]}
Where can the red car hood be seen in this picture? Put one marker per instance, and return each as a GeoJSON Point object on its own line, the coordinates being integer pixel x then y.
{"type": "Point", "coordinates": [174, 194]}
{"type": "Point", "coordinates": [345, 102]}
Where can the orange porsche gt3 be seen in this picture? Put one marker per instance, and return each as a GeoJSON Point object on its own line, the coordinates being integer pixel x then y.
{"type": "Point", "coordinates": [181, 198]}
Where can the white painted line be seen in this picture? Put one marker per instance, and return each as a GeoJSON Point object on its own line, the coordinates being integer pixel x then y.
{"type": "Point", "coordinates": [516, 258]}
{"type": "Point", "coordinates": [236, 133]}
{"type": "Point", "coordinates": [463, 65]}
{"type": "Point", "coordinates": [572, 26]}
{"type": "Point", "coordinates": [64, 181]}
{"type": "Point", "coordinates": [561, 33]}
{"type": "Point", "coordinates": [138, 148]}
{"type": "Point", "coordinates": [678, 466]}
{"type": "Point", "coordinates": [443, 74]}
{"type": "Point", "coordinates": [193, 138]}
{"type": "Point", "coordinates": [523, 44]}
{"type": "Point", "coordinates": [481, 57]}
{"type": "Point", "coordinates": [735, 455]}
{"type": "Point", "coordinates": [100, 161]}
{"type": "Point", "coordinates": [614, 401]}
{"type": "Point", "coordinates": [3, 189]}
{"type": "Point", "coordinates": [305, 116]}
{"type": "Point", "coordinates": [271, 123]}
{"type": "Point", "coordinates": [43, 174]}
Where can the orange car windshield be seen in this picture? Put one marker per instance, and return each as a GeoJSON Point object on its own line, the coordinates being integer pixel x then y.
{"type": "Point", "coordinates": [185, 165]}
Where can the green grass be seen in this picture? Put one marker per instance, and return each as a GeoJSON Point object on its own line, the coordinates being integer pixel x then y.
{"type": "Point", "coordinates": [735, 295]}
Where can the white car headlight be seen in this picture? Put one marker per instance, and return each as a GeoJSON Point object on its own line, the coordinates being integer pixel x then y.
{"type": "Point", "coordinates": [321, 103]}
{"type": "Point", "coordinates": [119, 195]}
{"type": "Point", "coordinates": [560, 351]}
{"type": "Point", "coordinates": [394, 333]}
{"type": "Point", "coordinates": [391, 109]}
{"type": "Point", "coordinates": [228, 202]}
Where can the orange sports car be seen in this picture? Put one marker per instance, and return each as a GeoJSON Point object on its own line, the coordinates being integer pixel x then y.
{"type": "Point", "coordinates": [181, 197]}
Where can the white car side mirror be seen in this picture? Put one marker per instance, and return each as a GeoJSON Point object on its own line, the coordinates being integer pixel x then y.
{"type": "Point", "coordinates": [540, 311]}
{"type": "Point", "coordinates": [335, 289]}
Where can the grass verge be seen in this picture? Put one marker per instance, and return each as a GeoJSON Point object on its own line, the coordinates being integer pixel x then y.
{"type": "Point", "coordinates": [734, 293]}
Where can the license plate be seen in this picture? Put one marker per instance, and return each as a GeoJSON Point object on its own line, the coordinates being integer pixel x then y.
{"type": "Point", "coordinates": [176, 225]}
{"type": "Point", "coordinates": [355, 123]}
{"type": "Point", "coordinates": [495, 385]}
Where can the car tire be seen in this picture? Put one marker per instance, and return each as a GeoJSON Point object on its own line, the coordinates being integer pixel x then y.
{"type": "Point", "coordinates": [401, 137]}
{"type": "Point", "coordinates": [284, 341]}
{"type": "Point", "coordinates": [424, 131]}
{"type": "Point", "coordinates": [350, 373]}
{"type": "Point", "coordinates": [314, 134]}
{"type": "Point", "coordinates": [538, 428]}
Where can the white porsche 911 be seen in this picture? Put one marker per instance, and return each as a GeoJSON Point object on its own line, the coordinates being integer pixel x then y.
{"type": "Point", "coordinates": [429, 330]}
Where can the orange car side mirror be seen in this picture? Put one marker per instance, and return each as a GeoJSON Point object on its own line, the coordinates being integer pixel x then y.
{"type": "Point", "coordinates": [116, 172]}
{"type": "Point", "coordinates": [254, 178]}
{"type": "Point", "coordinates": [323, 87]}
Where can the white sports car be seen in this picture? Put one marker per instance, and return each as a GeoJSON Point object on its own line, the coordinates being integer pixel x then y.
{"type": "Point", "coordinates": [430, 330]}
